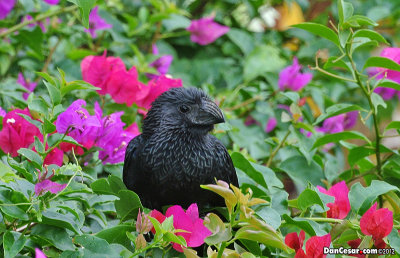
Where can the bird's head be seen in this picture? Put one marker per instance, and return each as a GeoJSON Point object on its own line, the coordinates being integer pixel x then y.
{"type": "Point", "coordinates": [186, 109]}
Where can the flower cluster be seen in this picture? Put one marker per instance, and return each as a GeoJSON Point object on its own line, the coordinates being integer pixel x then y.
{"type": "Point", "coordinates": [88, 130]}
{"type": "Point", "coordinates": [189, 221]}
{"type": "Point", "coordinates": [111, 76]}
{"type": "Point", "coordinates": [341, 206]}
{"type": "Point", "coordinates": [314, 245]}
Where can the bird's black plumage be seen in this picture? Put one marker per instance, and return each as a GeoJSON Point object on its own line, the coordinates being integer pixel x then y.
{"type": "Point", "coordinates": [174, 155]}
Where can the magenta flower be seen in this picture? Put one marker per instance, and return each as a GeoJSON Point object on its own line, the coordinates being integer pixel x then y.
{"type": "Point", "coordinates": [205, 31]}
{"type": "Point", "coordinates": [341, 206]}
{"type": "Point", "coordinates": [45, 184]}
{"type": "Point", "coordinates": [392, 53]}
{"type": "Point", "coordinates": [271, 124]}
{"type": "Point", "coordinates": [54, 157]}
{"type": "Point", "coordinates": [17, 132]}
{"type": "Point", "coordinates": [314, 245]}
{"type": "Point", "coordinates": [188, 221]}
{"type": "Point", "coordinates": [291, 77]}
{"type": "Point", "coordinates": [155, 88]}
{"type": "Point", "coordinates": [339, 123]}
{"type": "Point", "coordinates": [377, 222]}
{"type": "Point", "coordinates": [5, 7]}
{"type": "Point", "coordinates": [2, 112]}
{"type": "Point", "coordinates": [76, 120]}
{"type": "Point", "coordinates": [39, 253]}
{"type": "Point", "coordinates": [30, 86]}
{"type": "Point", "coordinates": [96, 23]}
{"type": "Point", "coordinates": [162, 64]}
{"type": "Point", "coordinates": [52, 2]}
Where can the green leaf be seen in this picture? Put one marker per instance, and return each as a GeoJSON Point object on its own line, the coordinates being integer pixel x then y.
{"type": "Point", "coordinates": [373, 35]}
{"type": "Point", "coordinates": [117, 234]}
{"type": "Point", "coordinates": [95, 247]}
{"type": "Point", "coordinates": [220, 232]}
{"type": "Point", "coordinates": [264, 237]}
{"type": "Point", "coordinates": [12, 209]}
{"type": "Point", "coordinates": [383, 62]}
{"type": "Point", "coordinates": [13, 242]}
{"type": "Point", "coordinates": [389, 84]}
{"type": "Point", "coordinates": [32, 156]}
{"type": "Point", "coordinates": [393, 125]}
{"type": "Point", "coordinates": [48, 126]}
{"type": "Point", "coordinates": [297, 167]}
{"type": "Point", "coordinates": [361, 198]}
{"type": "Point", "coordinates": [243, 164]}
{"type": "Point", "coordinates": [6, 173]}
{"type": "Point", "coordinates": [310, 227]}
{"type": "Point", "coordinates": [345, 11]}
{"type": "Point", "coordinates": [261, 60]}
{"type": "Point", "coordinates": [77, 85]}
{"type": "Point", "coordinates": [39, 105]}
{"type": "Point", "coordinates": [270, 216]}
{"type": "Point", "coordinates": [54, 93]}
{"type": "Point", "coordinates": [56, 236]}
{"type": "Point", "coordinates": [33, 39]}
{"type": "Point", "coordinates": [319, 30]}
{"type": "Point", "coordinates": [308, 198]}
{"type": "Point", "coordinates": [128, 205]}
{"type": "Point", "coordinates": [171, 237]}
{"type": "Point", "coordinates": [84, 6]}
{"type": "Point", "coordinates": [39, 147]}
{"type": "Point", "coordinates": [377, 101]}
{"type": "Point", "coordinates": [394, 240]}
{"type": "Point", "coordinates": [54, 218]}
{"type": "Point", "coordinates": [359, 152]}
{"type": "Point", "coordinates": [336, 137]}
{"type": "Point", "coordinates": [359, 20]}
{"type": "Point", "coordinates": [242, 39]}
{"type": "Point", "coordinates": [101, 186]}
{"type": "Point", "coordinates": [47, 77]}
{"type": "Point", "coordinates": [334, 62]}
{"type": "Point", "coordinates": [176, 21]}
{"type": "Point", "coordinates": [337, 109]}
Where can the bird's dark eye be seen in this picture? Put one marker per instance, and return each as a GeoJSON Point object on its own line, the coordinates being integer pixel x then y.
{"type": "Point", "coordinates": [184, 108]}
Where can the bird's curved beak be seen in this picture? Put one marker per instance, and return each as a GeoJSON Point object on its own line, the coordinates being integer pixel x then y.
{"type": "Point", "coordinates": [209, 113]}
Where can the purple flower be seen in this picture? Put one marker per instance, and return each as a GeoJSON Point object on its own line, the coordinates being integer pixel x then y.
{"type": "Point", "coordinates": [5, 7]}
{"type": "Point", "coordinates": [292, 79]}
{"type": "Point", "coordinates": [392, 53]}
{"type": "Point", "coordinates": [339, 123]}
{"type": "Point", "coordinates": [161, 64]}
{"type": "Point", "coordinates": [96, 23]}
{"type": "Point", "coordinates": [205, 31]}
{"type": "Point", "coordinates": [111, 137]}
{"type": "Point", "coordinates": [39, 253]}
{"type": "Point", "coordinates": [78, 122]}
{"type": "Point", "coordinates": [271, 124]}
{"type": "Point", "coordinates": [45, 184]}
{"type": "Point", "coordinates": [30, 86]}
{"type": "Point", "coordinates": [52, 2]}
{"type": "Point", "coordinates": [2, 112]}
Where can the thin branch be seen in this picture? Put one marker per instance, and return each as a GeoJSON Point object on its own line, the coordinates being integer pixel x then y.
{"type": "Point", "coordinates": [271, 157]}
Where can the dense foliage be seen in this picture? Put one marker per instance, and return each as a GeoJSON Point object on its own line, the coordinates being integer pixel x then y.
{"type": "Point", "coordinates": [309, 90]}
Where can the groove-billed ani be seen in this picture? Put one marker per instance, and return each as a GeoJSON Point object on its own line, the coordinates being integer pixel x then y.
{"type": "Point", "coordinates": [167, 163]}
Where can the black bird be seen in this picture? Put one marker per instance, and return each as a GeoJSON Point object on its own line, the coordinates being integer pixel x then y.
{"type": "Point", "coordinates": [167, 163]}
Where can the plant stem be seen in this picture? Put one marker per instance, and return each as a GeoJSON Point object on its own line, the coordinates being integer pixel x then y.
{"type": "Point", "coordinates": [221, 249]}
{"type": "Point", "coordinates": [330, 220]}
{"type": "Point", "coordinates": [271, 157]}
{"type": "Point", "coordinates": [374, 116]}
{"type": "Point", "coordinates": [38, 18]}
{"type": "Point", "coordinates": [244, 103]}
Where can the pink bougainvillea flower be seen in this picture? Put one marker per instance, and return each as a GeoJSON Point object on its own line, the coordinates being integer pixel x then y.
{"type": "Point", "coordinates": [294, 240]}
{"type": "Point", "coordinates": [67, 147]}
{"type": "Point", "coordinates": [17, 132]}
{"type": "Point", "coordinates": [133, 129]}
{"type": "Point", "coordinates": [156, 87]}
{"type": "Point", "coordinates": [188, 221]}
{"type": "Point", "coordinates": [97, 70]}
{"type": "Point", "coordinates": [54, 157]}
{"type": "Point", "coordinates": [291, 78]}
{"type": "Point", "coordinates": [314, 245]}
{"type": "Point", "coordinates": [162, 64]}
{"type": "Point", "coordinates": [386, 93]}
{"type": "Point", "coordinates": [341, 206]}
{"type": "Point", "coordinates": [96, 22]}
{"type": "Point", "coordinates": [339, 123]}
{"type": "Point", "coordinates": [124, 87]}
{"type": "Point", "coordinates": [5, 7]}
{"type": "Point", "coordinates": [39, 253]}
{"type": "Point", "coordinates": [2, 112]}
{"type": "Point", "coordinates": [76, 120]}
{"type": "Point", "coordinates": [30, 86]}
{"type": "Point", "coordinates": [205, 31]}
{"type": "Point", "coordinates": [377, 222]}
{"type": "Point", "coordinates": [271, 124]}
{"type": "Point", "coordinates": [52, 2]}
